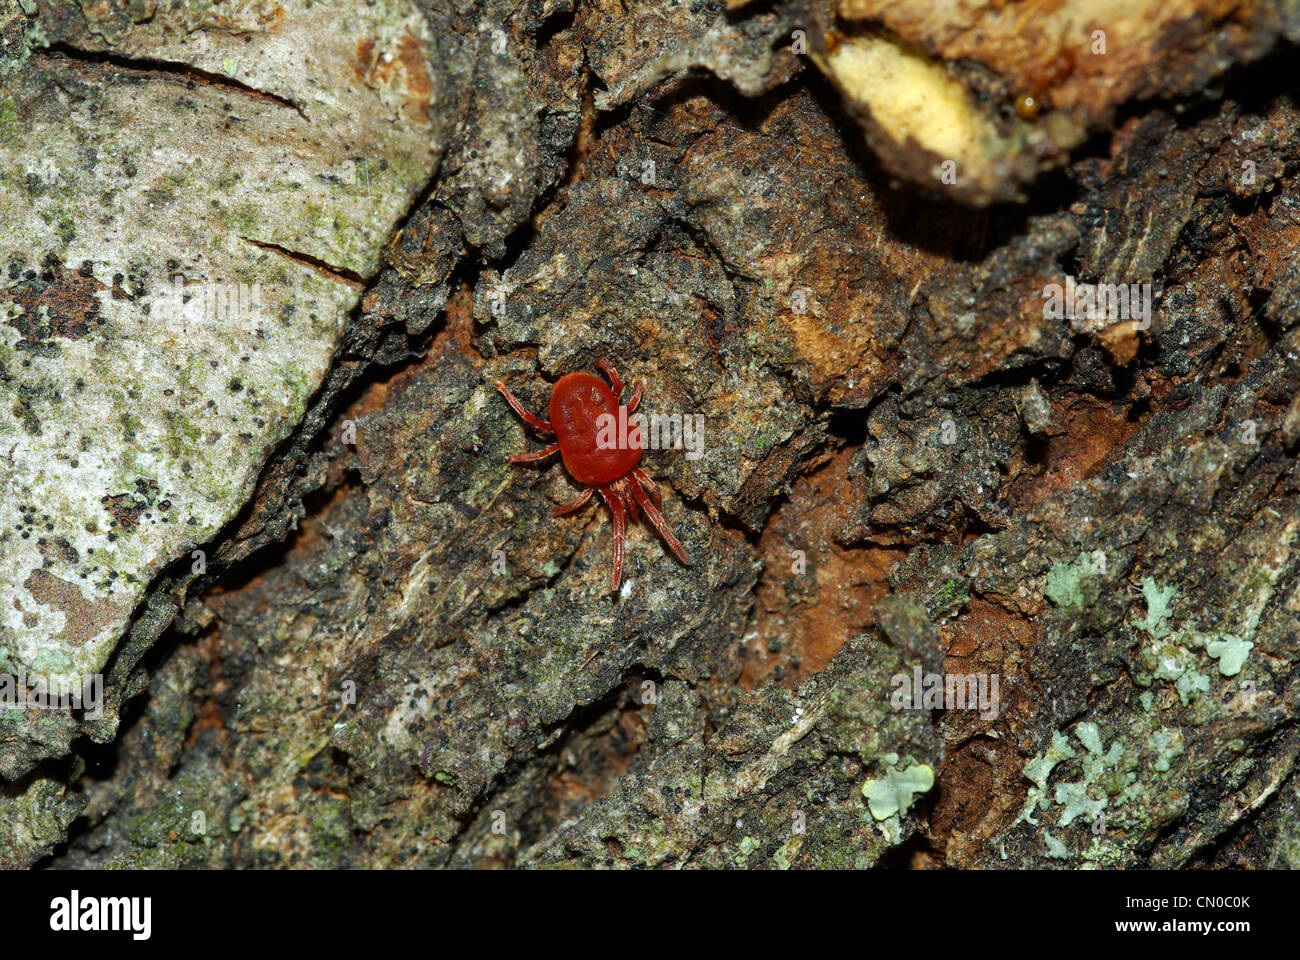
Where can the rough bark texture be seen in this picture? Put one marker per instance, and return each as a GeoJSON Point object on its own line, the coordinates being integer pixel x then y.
{"type": "Point", "coordinates": [394, 655]}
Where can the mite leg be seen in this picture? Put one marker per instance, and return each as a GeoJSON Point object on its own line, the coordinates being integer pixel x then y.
{"type": "Point", "coordinates": [650, 486]}
{"type": "Point", "coordinates": [518, 408]}
{"type": "Point", "coordinates": [533, 457]}
{"type": "Point", "coordinates": [627, 498]}
{"type": "Point", "coordinates": [572, 505]}
{"type": "Point", "coordinates": [617, 508]}
{"type": "Point", "coordinates": [636, 397]}
{"type": "Point", "coordinates": [615, 380]}
{"type": "Point", "coordinates": [660, 523]}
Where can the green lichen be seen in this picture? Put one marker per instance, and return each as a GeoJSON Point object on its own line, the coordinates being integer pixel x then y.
{"type": "Point", "coordinates": [1089, 735]}
{"type": "Point", "coordinates": [1231, 652]}
{"type": "Point", "coordinates": [1040, 767]}
{"type": "Point", "coordinates": [894, 793]}
{"type": "Point", "coordinates": [952, 596]}
{"type": "Point", "coordinates": [1067, 583]}
{"type": "Point", "coordinates": [9, 126]}
{"type": "Point", "coordinates": [1158, 600]}
{"type": "Point", "coordinates": [1103, 778]}
{"type": "Point", "coordinates": [52, 661]}
{"type": "Point", "coordinates": [784, 856]}
{"type": "Point", "coordinates": [1078, 803]}
{"type": "Point", "coordinates": [1107, 777]}
{"type": "Point", "coordinates": [1166, 744]}
{"type": "Point", "coordinates": [1190, 684]}
{"type": "Point", "coordinates": [747, 846]}
{"type": "Point", "coordinates": [1055, 848]}
{"type": "Point", "coordinates": [1177, 664]}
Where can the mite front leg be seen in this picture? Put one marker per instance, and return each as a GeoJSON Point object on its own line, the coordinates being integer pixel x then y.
{"type": "Point", "coordinates": [518, 408]}
{"type": "Point", "coordinates": [614, 379]}
{"type": "Point", "coordinates": [534, 456]}
{"type": "Point", "coordinates": [636, 397]}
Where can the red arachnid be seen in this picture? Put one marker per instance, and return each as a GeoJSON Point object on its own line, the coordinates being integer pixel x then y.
{"type": "Point", "coordinates": [578, 403]}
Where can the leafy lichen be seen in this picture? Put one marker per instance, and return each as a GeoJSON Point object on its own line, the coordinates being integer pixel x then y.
{"type": "Point", "coordinates": [894, 793]}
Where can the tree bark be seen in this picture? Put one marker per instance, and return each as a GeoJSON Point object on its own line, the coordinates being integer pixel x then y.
{"type": "Point", "coordinates": [929, 456]}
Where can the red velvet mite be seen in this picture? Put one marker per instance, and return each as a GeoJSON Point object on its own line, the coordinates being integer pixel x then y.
{"type": "Point", "coordinates": [577, 402]}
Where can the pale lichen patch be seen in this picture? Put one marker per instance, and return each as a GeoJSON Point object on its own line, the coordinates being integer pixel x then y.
{"type": "Point", "coordinates": [150, 356]}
